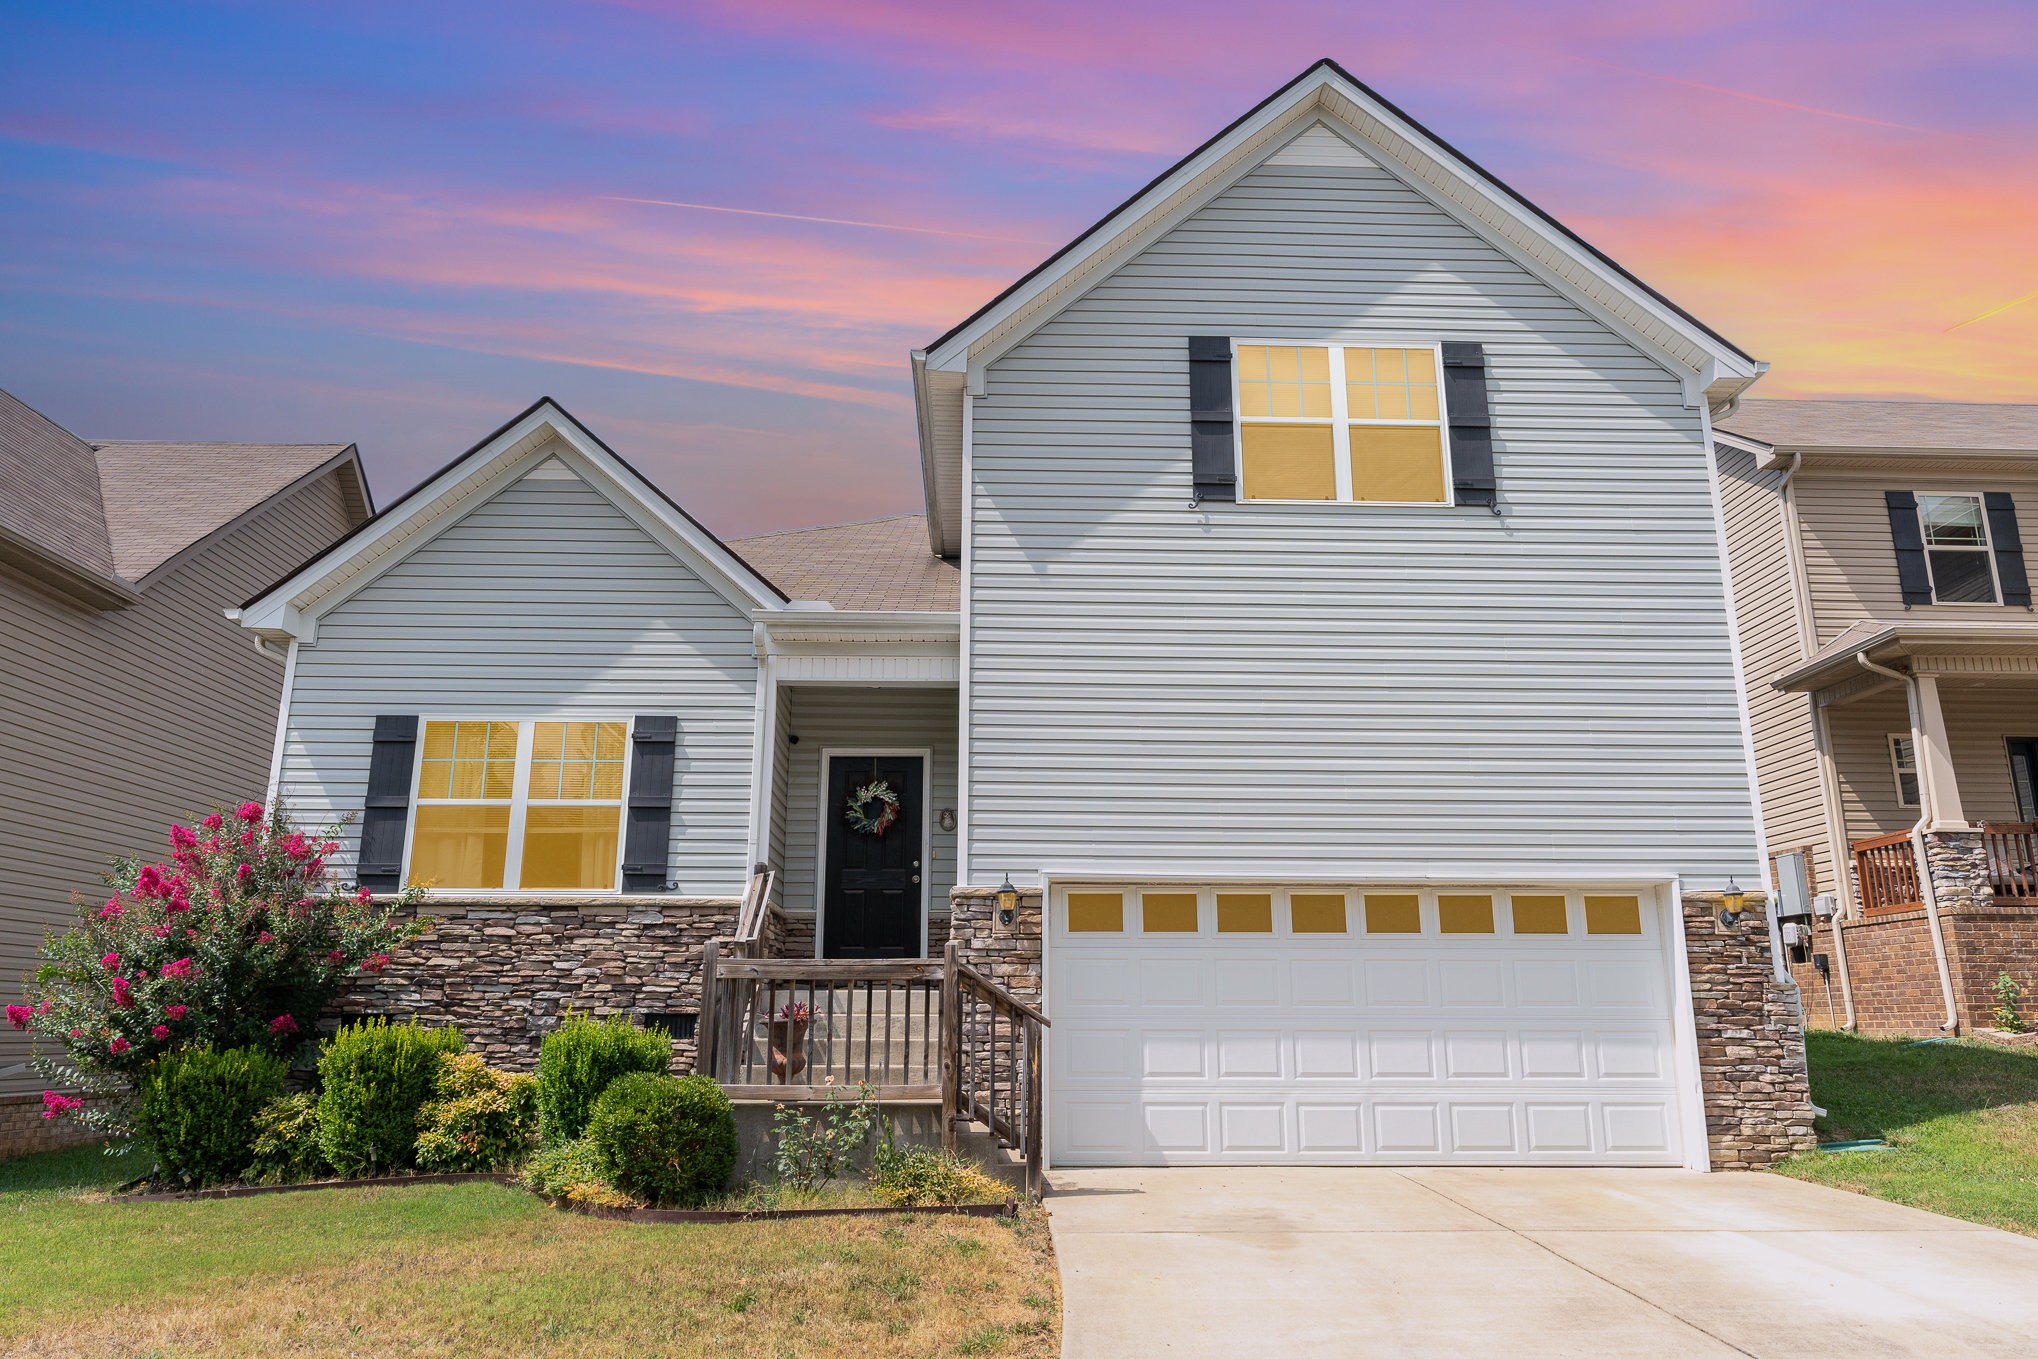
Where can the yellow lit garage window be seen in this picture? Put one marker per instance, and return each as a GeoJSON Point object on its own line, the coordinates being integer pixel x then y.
{"type": "Point", "coordinates": [1168, 912]}
{"type": "Point", "coordinates": [1464, 914]}
{"type": "Point", "coordinates": [1245, 913]}
{"type": "Point", "coordinates": [1340, 422]}
{"type": "Point", "coordinates": [1317, 912]}
{"type": "Point", "coordinates": [1613, 915]}
{"type": "Point", "coordinates": [1393, 913]}
{"type": "Point", "coordinates": [1096, 912]}
{"type": "Point", "coordinates": [1540, 915]}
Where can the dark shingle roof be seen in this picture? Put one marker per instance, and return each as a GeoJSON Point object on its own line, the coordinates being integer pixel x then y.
{"type": "Point", "coordinates": [49, 489]}
{"type": "Point", "coordinates": [878, 564]}
{"type": "Point", "coordinates": [1976, 425]}
{"type": "Point", "coordinates": [162, 497]}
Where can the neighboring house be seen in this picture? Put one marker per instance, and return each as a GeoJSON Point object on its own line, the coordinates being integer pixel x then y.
{"type": "Point", "coordinates": [127, 700]}
{"type": "Point", "coordinates": [1319, 617]}
{"type": "Point", "coordinates": [1892, 666]}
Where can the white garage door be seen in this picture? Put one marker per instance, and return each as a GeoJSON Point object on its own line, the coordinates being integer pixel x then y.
{"type": "Point", "coordinates": [1311, 1024]}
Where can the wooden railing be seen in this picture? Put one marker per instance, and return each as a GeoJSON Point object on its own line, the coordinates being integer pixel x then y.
{"type": "Point", "coordinates": [2012, 849]}
{"type": "Point", "coordinates": [756, 904]}
{"type": "Point", "coordinates": [795, 1028]}
{"type": "Point", "coordinates": [990, 1061]}
{"type": "Point", "coordinates": [1887, 869]}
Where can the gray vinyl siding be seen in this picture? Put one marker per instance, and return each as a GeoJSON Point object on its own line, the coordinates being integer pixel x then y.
{"type": "Point", "coordinates": [544, 599]}
{"type": "Point", "coordinates": [1353, 691]}
{"type": "Point", "coordinates": [1979, 722]}
{"type": "Point", "coordinates": [1772, 641]}
{"type": "Point", "coordinates": [827, 717]}
{"type": "Point", "coordinates": [118, 723]}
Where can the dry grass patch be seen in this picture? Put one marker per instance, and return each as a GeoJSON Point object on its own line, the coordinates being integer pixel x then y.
{"type": "Point", "coordinates": [483, 1270]}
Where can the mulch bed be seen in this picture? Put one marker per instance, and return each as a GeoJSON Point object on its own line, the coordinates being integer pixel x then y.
{"type": "Point", "coordinates": [1009, 1208]}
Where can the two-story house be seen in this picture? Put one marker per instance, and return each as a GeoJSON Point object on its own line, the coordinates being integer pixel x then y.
{"type": "Point", "coordinates": [126, 701]}
{"type": "Point", "coordinates": [1318, 618]}
{"type": "Point", "coordinates": [1891, 656]}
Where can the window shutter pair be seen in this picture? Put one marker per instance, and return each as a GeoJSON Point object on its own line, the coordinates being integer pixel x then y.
{"type": "Point", "coordinates": [1467, 413]}
{"type": "Point", "coordinates": [647, 829]}
{"type": "Point", "coordinates": [1914, 573]}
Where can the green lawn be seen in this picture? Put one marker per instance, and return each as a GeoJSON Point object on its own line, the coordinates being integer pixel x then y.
{"type": "Point", "coordinates": [480, 1269]}
{"type": "Point", "coordinates": [1962, 1117]}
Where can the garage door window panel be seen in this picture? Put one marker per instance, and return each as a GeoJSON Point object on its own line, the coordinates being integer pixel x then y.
{"type": "Point", "coordinates": [1168, 912]}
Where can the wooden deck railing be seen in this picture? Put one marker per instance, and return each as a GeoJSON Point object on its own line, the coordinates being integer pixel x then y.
{"type": "Point", "coordinates": [1887, 869]}
{"type": "Point", "coordinates": [2012, 849]}
{"type": "Point", "coordinates": [796, 1028]}
{"type": "Point", "coordinates": [990, 1061]}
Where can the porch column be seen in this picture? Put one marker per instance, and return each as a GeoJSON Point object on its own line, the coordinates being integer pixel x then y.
{"type": "Point", "coordinates": [1939, 789]}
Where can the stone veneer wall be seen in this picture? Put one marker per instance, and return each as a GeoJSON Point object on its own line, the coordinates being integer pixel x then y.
{"type": "Point", "coordinates": [793, 935]}
{"type": "Point", "coordinates": [1750, 1036]}
{"type": "Point", "coordinates": [23, 1129]}
{"type": "Point", "coordinates": [507, 971]}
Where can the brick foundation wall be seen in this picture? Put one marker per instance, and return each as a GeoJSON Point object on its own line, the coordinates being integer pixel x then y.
{"type": "Point", "coordinates": [1895, 974]}
{"type": "Point", "coordinates": [23, 1129]}
{"type": "Point", "coordinates": [507, 971]}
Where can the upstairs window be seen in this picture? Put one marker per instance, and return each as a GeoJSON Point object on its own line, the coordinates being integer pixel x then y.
{"type": "Point", "coordinates": [1340, 422]}
{"type": "Point", "coordinates": [519, 806]}
{"type": "Point", "coordinates": [1957, 549]}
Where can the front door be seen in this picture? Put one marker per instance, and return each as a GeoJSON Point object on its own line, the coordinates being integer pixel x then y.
{"type": "Point", "coordinates": [871, 878]}
{"type": "Point", "coordinates": [2024, 775]}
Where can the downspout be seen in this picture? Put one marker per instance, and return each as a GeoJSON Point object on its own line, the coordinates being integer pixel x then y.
{"type": "Point", "coordinates": [1926, 801]}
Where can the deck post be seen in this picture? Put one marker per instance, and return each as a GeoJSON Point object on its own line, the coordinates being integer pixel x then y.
{"type": "Point", "coordinates": [704, 1022]}
{"type": "Point", "coordinates": [951, 1020]}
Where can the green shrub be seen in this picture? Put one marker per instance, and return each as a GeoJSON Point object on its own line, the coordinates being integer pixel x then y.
{"type": "Point", "coordinates": [377, 1076]}
{"type": "Point", "coordinates": [813, 1149]}
{"type": "Point", "coordinates": [286, 1142]}
{"type": "Point", "coordinates": [664, 1139]}
{"type": "Point", "coordinates": [483, 1119]}
{"type": "Point", "coordinates": [572, 1170]}
{"type": "Point", "coordinates": [580, 1058]}
{"type": "Point", "coordinates": [195, 1108]}
{"type": "Point", "coordinates": [913, 1177]}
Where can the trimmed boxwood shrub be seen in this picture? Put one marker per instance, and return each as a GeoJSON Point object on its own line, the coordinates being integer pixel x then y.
{"type": "Point", "coordinates": [668, 1140]}
{"type": "Point", "coordinates": [377, 1076]}
{"type": "Point", "coordinates": [195, 1108]}
{"type": "Point", "coordinates": [579, 1059]}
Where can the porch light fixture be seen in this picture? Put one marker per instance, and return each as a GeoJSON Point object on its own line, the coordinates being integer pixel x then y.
{"type": "Point", "coordinates": [1008, 903]}
{"type": "Point", "coordinates": [1733, 904]}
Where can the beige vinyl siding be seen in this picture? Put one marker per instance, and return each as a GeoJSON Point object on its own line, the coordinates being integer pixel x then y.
{"type": "Point", "coordinates": [118, 723]}
{"type": "Point", "coordinates": [1771, 640]}
{"type": "Point", "coordinates": [545, 598]}
{"type": "Point", "coordinates": [1850, 564]}
{"type": "Point", "coordinates": [828, 717]}
{"type": "Point", "coordinates": [1978, 722]}
{"type": "Point", "coordinates": [1361, 690]}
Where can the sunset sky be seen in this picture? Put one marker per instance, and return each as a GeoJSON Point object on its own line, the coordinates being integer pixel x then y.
{"type": "Point", "coordinates": [398, 224]}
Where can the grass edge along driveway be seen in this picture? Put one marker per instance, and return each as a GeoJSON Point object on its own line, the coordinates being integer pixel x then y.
{"type": "Point", "coordinates": [481, 1269]}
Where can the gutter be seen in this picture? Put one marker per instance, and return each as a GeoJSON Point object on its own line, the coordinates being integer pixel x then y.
{"type": "Point", "coordinates": [1926, 801]}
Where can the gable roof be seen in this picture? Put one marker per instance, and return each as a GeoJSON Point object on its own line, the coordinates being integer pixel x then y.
{"type": "Point", "coordinates": [544, 429]}
{"type": "Point", "coordinates": [1716, 368]}
{"type": "Point", "coordinates": [877, 564]}
{"type": "Point", "coordinates": [1898, 426]}
{"type": "Point", "coordinates": [52, 504]}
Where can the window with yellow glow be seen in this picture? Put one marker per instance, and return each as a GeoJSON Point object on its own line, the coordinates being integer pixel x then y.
{"type": "Point", "coordinates": [532, 806]}
{"type": "Point", "coordinates": [1316, 912]}
{"type": "Point", "coordinates": [1245, 913]}
{"type": "Point", "coordinates": [1464, 914]}
{"type": "Point", "coordinates": [1096, 912]}
{"type": "Point", "coordinates": [1168, 912]}
{"type": "Point", "coordinates": [1613, 915]}
{"type": "Point", "coordinates": [1540, 915]}
{"type": "Point", "coordinates": [1359, 423]}
{"type": "Point", "coordinates": [1393, 913]}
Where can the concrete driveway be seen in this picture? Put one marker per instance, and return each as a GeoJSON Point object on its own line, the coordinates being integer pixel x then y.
{"type": "Point", "coordinates": [1431, 1263]}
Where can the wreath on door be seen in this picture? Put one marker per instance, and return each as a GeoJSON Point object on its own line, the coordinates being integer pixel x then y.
{"type": "Point", "coordinates": [872, 808]}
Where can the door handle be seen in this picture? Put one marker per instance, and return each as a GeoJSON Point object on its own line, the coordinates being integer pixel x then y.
{"type": "Point", "coordinates": [916, 877]}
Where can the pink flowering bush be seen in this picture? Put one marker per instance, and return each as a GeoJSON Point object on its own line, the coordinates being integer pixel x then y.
{"type": "Point", "coordinates": [238, 940]}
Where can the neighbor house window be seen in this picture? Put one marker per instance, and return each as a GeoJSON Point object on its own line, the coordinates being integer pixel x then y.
{"type": "Point", "coordinates": [530, 806]}
{"type": "Point", "coordinates": [1340, 422]}
{"type": "Point", "coordinates": [1903, 760]}
{"type": "Point", "coordinates": [1957, 547]}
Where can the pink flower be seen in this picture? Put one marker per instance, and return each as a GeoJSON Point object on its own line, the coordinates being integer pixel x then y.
{"type": "Point", "coordinates": [375, 962]}
{"type": "Point", "coordinates": [213, 822]}
{"type": "Point", "coordinates": [296, 846]}
{"type": "Point", "coordinates": [178, 901]}
{"type": "Point", "coordinates": [148, 882]}
{"type": "Point", "coordinates": [282, 1024]}
{"type": "Point", "coordinates": [243, 872]}
{"type": "Point", "coordinates": [180, 838]}
{"type": "Point", "coordinates": [19, 1015]}
{"type": "Point", "coordinates": [112, 910]}
{"type": "Point", "coordinates": [77, 1033]}
{"type": "Point", "coordinates": [161, 931]}
{"type": "Point", "coordinates": [335, 958]}
{"type": "Point", "coordinates": [329, 847]}
{"type": "Point", "coordinates": [174, 1011]}
{"type": "Point", "coordinates": [118, 1045]}
{"type": "Point", "coordinates": [160, 1032]}
{"type": "Point", "coordinates": [180, 968]}
{"type": "Point", "coordinates": [248, 836]}
{"type": "Point", "coordinates": [111, 962]}
{"type": "Point", "coordinates": [54, 1104]}
{"type": "Point", "coordinates": [313, 867]}
{"type": "Point", "coordinates": [265, 938]}
{"type": "Point", "coordinates": [43, 1008]}
{"type": "Point", "coordinates": [363, 897]}
{"type": "Point", "coordinates": [249, 811]}
{"type": "Point", "coordinates": [123, 995]}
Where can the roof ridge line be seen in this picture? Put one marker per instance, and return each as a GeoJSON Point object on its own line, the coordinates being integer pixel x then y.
{"type": "Point", "coordinates": [823, 528]}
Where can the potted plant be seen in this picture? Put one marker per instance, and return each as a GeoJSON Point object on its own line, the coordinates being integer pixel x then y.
{"type": "Point", "coordinates": [789, 1040]}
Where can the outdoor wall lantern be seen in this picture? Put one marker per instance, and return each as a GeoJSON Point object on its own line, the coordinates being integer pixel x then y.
{"type": "Point", "coordinates": [947, 818]}
{"type": "Point", "coordinates": [1008, 903]}
{"type": "Point", "coordinates": [1733, 904]}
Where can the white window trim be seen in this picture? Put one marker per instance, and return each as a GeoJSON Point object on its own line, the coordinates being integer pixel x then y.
{"type": "Point", "coordinates": [520, 787]}
{"type": "Point", "coordinates": [1897, 770]}
{"type": "Point", "coordinates": [1987, 550]}
{"type": "Point", "coordinates": [1340, 422]}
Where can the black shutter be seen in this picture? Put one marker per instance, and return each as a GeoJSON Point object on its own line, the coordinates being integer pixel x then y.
{"type": "Point", "coordinates": [1212, 463]}
{"type": "Point", "coordinates": [1471, 421]}
{"type": "Point", "coordinates": [1909, 539]}
{"type": "Point", "coordinates": [2009, 547]}
{"type": "Point", "coordinates": [387, 811]}
{"type": "Point", "coordinates": [654, 743]}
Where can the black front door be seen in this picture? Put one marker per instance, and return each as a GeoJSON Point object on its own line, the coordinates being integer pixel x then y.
{"type": "Point", "coordinates": [872, 892]}
{"type": "Point", "coordinates": [2024, 775]}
